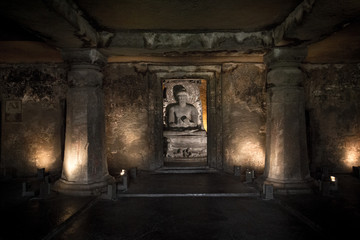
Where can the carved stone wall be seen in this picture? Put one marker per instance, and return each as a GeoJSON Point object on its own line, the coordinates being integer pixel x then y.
{"type": "Point", "coordinates": [126, 115]}
{"type": "Point", "coordinates": [333, 115]}
{"type": "Point", "coordinates": [36, 138]}
{"type": "Point", "coordinates": [244, 116]}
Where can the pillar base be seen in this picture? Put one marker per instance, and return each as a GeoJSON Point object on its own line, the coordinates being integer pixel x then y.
{"type": "Point", "coordinates": [289, 186]}
{"type": "Point", "coordinates": [83, 189]}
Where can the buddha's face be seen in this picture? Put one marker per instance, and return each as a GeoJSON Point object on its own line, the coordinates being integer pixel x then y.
{"type": "Point", "coordinates": [182, 98]}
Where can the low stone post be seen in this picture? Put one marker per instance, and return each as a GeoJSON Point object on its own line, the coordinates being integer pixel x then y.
{"type": "Point", "coordinates": [286, 164]}
{"type": "Point", "coordinates": [85, 170]}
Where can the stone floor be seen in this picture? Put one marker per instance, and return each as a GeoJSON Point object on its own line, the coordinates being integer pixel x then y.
{"type": "Point", "coordinates": [182, 206]}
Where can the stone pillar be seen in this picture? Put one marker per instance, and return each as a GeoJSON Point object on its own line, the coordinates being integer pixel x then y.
{"type": "Point", "coordinates": [85, 169]}
{"type": "Point", "coordinates": [286, 164]}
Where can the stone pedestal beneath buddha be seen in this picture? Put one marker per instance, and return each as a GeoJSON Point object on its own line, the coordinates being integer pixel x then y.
{"type": "Point", "coordinates": [185, 145]}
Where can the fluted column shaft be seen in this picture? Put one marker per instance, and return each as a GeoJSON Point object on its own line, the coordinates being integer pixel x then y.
{"type": "Point", "coordinates": [85, 170]}
{"type": "Point", "coordinates": [286, 165]}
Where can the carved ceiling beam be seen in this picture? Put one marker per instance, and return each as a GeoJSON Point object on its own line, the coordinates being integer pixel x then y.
{"type": "Point", "coordinates": [73, 14]}
{"type": "Point", "coordinates": [314, 20]}
{"type": "Point", "coordinates": [162, 42]}
{"type": "Point", "coordinates": [293, 20]}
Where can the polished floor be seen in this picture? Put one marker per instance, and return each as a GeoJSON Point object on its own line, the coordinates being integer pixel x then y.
{"type": "Point", "coordinates": [182, 206]}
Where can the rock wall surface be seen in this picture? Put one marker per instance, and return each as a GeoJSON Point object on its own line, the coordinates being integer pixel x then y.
{"type": "Point", "coordinates": [243, 116]}
{"type": "Point", "coordinates": [126, 116]}
{"type": "Point", "coordinates": [33, 136]}
{"type": "Point", "coordinates": [333, 115]}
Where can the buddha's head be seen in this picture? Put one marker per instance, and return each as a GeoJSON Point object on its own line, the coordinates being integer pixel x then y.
{"type": "Point", "coordinates": [180, 94]}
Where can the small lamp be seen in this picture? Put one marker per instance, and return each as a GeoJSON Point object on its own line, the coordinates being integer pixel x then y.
{"type": "Point", "coordinates": [333, 183]}
{"type": "Point", "coordinates": [123, 185]}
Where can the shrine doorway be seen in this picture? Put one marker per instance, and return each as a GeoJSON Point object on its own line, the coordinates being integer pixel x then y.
{"type": "Point", "coordinates": [185, 121]}
{"type": "Point", "coordinates": [208, 81]}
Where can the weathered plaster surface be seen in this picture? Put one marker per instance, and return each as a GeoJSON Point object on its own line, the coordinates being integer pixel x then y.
{"type": "Point", "coordinates": [126, 115]}
{"type": "Point", "coordinates": [243, 116]}
{"type": "Point", "coordinates": [333, 106]}
{"type": "Point", "coordinates": [36, 141]}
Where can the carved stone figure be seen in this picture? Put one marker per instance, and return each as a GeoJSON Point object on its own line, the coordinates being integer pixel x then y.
{"type": "Point", "coordinates": [184, 136]}
{"type": "Point", "coordinates": [182, 114]}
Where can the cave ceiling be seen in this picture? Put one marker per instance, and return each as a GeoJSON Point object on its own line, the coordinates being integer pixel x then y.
{"type": "Point", "coordinates": [40, 29]}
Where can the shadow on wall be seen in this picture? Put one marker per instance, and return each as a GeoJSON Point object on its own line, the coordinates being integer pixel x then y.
{"type": "Point", "coordinates": [332, 94]}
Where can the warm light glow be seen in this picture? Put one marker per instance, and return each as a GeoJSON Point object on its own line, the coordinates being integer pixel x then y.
{"type": "Point", "coordinates": [351, 157]}
{"type": "Point", "coordinates": [70, 167]}
{"type": "Point", "coordinates": [254, 153]}
{"type": "Point", "coordinates": [203, 93]}
{"type": "Point", "coordinates": [122, 173]}
{"type": "Point", "coordinates": [250, 153]}
{"type": "Point", "coordinates": [131, 136]}
{"type": "Point", "coordinates": [44, 157]}
{"type": "Point", "coordinates": [352, 154]}
{"type": "Point", "coordinates": [74, 161]}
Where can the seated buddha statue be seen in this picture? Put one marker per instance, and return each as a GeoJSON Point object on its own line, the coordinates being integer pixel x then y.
{"type": "Point", "coordinates": [184, 137]}
{"type": "Point", "coordinates": [182, 115]}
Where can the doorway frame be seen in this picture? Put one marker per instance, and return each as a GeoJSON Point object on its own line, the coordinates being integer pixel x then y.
{"type": "Point", "coordinates": [212, 75]}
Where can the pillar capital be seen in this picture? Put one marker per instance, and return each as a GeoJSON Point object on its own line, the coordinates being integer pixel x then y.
{"type": "Point", "coordinates": [85, 66]}
{"type": "Point", "coordinates": [83, 56]}
{"type": "Point", "coordinates": [85, 76]}
{"type": "Point", "coordinates": [285, 57]}
{"type": "Point", "coordinates": [283, 65]}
